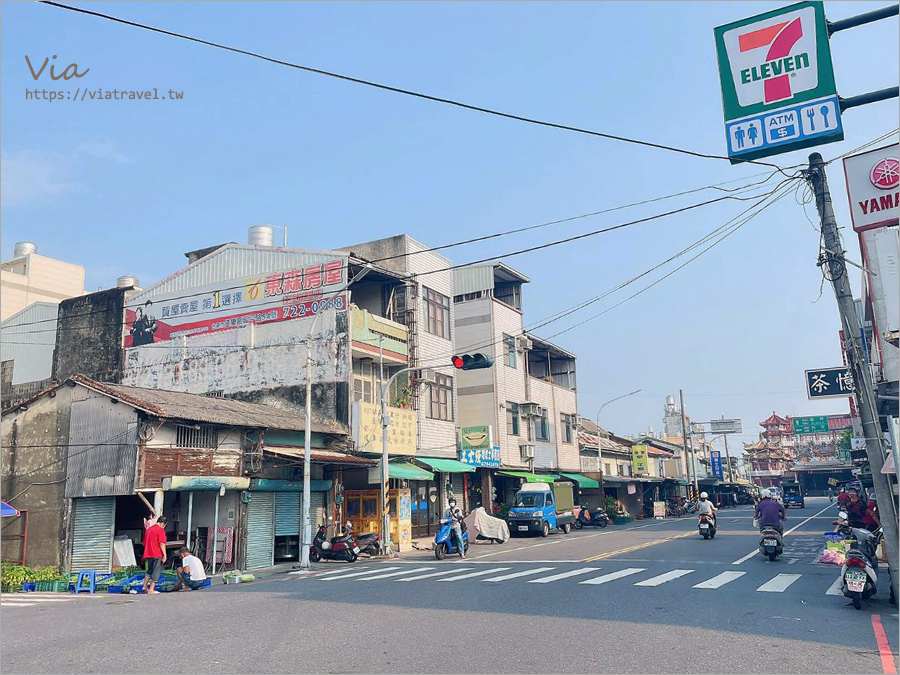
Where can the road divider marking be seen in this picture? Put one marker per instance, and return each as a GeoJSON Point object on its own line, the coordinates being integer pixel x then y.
{"type": "Point", "coordinates": [564, 575]}
{"type": "Point", "coordinates": [720, 580]}
{"type": "Point", "coordinates": [475, 574]}
{"type": "Point", "coordinates": [836, 587]}
{"type": "Point", "coordinates": [612, 576]}
{"type": "Point", "coordinates": [800, 524]}
{"type": "Point", "coordinates": [637, 547]}
{"type": "Point", "coordinates": [395, 574]}
{"type": "Point", "coordinates": [432, 574]}
{"type": "Point", "coordinates": [884, 647]}
{"type": "Point", "coordinates": [516, 575]}
{"type": "Point", "coordinates": [358, 574]}
{"type": "Point", "coordinates": [778, 584]}
{"type": "Point", "coordinates": [663, 578]}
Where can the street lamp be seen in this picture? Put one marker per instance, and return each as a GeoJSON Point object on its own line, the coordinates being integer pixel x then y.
{"type": "Point", "coordinates": [307, 432]}
{"type": "Point", "coordinates": [599, 448]}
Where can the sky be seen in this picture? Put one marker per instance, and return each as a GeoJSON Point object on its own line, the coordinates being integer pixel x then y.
{"type": "Point", "coordinates": [128, 186]}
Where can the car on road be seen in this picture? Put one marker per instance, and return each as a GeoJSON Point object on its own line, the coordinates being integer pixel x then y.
{"type": "Point", "coordinates": [542, 507]}
{"type": "Point", "coordinates": [792, 495]}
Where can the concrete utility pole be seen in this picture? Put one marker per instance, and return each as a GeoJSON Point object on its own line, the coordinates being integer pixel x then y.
{"type": "Point", "coordinates": [688, 458]}
{"type": "Point", "coordinates": [832, 262]}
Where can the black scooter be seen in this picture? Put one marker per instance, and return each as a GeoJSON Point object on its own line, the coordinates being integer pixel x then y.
{"type": "Point", "coordinates": [369, 542]}
{"type": "Point", "coordinates": [599, 518]}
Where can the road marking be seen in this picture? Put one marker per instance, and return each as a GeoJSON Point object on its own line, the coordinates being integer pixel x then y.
{"type": "Point", "coordinates": [884, 647]}
{"type": "Point", "coordinates": [778, 584]}
{"type": "Point", "coordinates": [42, 599]}
{"type": "Point", "coordinates": [801, 524]}
{"type": "Point", "coordinates": [564, 575]}
{"type": "Point", "coordinates": [836, 588]}
{"type": "Point", "coordinates": [475, 574]}
{"type": "Point", "coordinates": [663, 578]}
{"type": "Point", "coordinates": [328, 574]}
{"type": "Point", "coordinates": [516, 575]}
{"type": "Point", "coordinates": [720, 580]}
{"type": "Point", "coordinates": [395, 574]}
{"type": "Point", "coordinates": [612, 576]}
{"type": "Point", "coordinates": [637, 547]}
{"type": "Point", "coordinates": [359, 574]}
{"type": "Point", "coordinates": [428, 576]}
{"type": "Point", "coordinates": [16, 604]}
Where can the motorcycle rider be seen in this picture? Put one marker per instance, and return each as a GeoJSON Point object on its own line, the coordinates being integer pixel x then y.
{"type": "Point", "coordinates": [830, 496]}
{"type": "Point", "coordinates": [455, 516]}
{"type": "Point", "coordinates": [856, 509]}
{"type": "Point", "coordinates": [707, 508]}
{"type": "Point", "coordinates": [770, 512]}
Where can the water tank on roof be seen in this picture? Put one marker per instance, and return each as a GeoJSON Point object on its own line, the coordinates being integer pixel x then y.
{"type": "Point", "coordinates": [23, 248]}
{"type": "Point", "coordinates": [126, 281]}
{"type": "Point", "coordinates": [670, 400]}
{"type": "Point", "coordinates": [261, 235]}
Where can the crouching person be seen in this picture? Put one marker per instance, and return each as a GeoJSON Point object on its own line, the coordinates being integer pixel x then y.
{"type": "Point", "coordinates": [191, 574]}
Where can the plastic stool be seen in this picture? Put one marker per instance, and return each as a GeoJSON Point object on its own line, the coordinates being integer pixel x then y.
{"type": "Point", "coordinates": [92, 582]}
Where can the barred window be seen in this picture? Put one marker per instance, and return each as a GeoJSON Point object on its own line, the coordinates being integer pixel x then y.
{"type": "Point", "coordinates": [191, 437]}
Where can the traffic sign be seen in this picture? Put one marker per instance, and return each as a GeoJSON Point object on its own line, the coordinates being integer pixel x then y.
{"type": "Point", "coordinates": [829, 383]}
{"type": "Point", "coordinates": [811, 425]}
{"type": "Point", "coordinates": [778, 90]}
{"type": "Point", "coordinates": [715, 462]}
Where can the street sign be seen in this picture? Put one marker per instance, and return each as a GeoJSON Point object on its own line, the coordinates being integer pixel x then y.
{"type": "Point", "coordinates": [873, 187]}
{"type": "Point", "coordinates": [778, 90]}
{"type": "Point", "coordinates": [829, 383]}
{"type": "Point", "coordinates": [810, 425]}
{"type": "Point", "coordinates": [725, 426]}
{"type": "Point", "coordinates": [832, 481]}
{"type": "Point", "coordinates": [857, 443]}
{"type": "Point", "coordinates": [715, 460]}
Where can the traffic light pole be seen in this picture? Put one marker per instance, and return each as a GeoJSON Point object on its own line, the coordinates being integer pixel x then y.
{"type": "Point", "coordinates": [832, 261]}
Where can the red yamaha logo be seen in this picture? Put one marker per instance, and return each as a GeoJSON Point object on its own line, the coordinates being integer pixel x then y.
{"type": "Point", "coordinates": [885, 175]}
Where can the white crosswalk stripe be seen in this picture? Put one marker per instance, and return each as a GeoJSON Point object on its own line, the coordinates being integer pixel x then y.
{"type": "Point", "coordinates": [395, 574]}
{"type": "Point", "coordinates": [480, 573]}
{"type": "Point", "coordinates": [12, 600]}
{"type": "Point", "coordinates": [436, 574]}
{"type": "Point", "coordinates": [516, 575]}
{"type": "Point", "coordinates": [779, 583]}
{"type": "Point", "coordinates": [612, 576]}
{"type": "Point", "coordinates": [358, 574]}
{"type": "Point", "coordinates": [564, 575]}
{"type": "Point", "coordinates": [836, 588]}
{"type": "Point", "coordinates": [719, 580]}
{"type": "Point", "coordinates": [663, 578]}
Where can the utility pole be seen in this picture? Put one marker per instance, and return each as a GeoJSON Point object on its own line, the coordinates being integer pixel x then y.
{"type": "Point", "coordinates": [832, 261]}
{"type": "Point", "coordinates": [688, 458]}
{"type": "Point", "coordinates": [728, 459]}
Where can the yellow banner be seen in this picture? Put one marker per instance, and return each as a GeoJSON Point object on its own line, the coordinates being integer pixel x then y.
{"type": "Point", "coordinates": [640, 463]}
{"type": "Point", "coordinates": [367, 429]}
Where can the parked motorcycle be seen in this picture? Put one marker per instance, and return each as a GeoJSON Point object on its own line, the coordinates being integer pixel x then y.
{"type": "Point", "coordinates": [444, 541]}
{"type": "Point", "coordinates": [771, 543]}
{"type": "Point", "coordinates": [707, 526]}
{"type": "Point", "coordinates": [860, 569]}
{"type": "Point", "coordinates": [339, 548]}
{"type": "Point", "coordinates": [369, 542]}
{"type": "Point", "coordinates": [599, 518]}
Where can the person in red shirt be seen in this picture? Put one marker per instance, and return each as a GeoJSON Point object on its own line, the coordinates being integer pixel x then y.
{"type": "Point", "coordinates": [154, 553]}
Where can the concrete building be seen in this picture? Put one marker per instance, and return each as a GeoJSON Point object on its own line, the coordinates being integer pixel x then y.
{"type": "Point", "coordinates": [28, 277]}
{"type": "Point", "coordinates": [527, 400]}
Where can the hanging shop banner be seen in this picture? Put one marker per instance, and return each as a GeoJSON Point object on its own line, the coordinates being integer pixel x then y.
{"type": "Point", "coordinates": [873, 187]}
{"type": "Point", "coordinates": [778, 89]}
{"type": "Point", "coordinates": [715, 460]}
{"type": "Point", "coordinates": [367, 429]}
{"type": "Point", "coordinates": [476, 447]}
{"type": "Point", "coordinates": [283, 295]}
{"type": "Point", "coordinates": [640, 462]}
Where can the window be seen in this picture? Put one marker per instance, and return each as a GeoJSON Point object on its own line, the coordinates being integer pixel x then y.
{"type": "Point", "coordinates": [437, 313]}
{"type": "Point", "coordinates": [541, 428]}
{"type": "Point", "coordinates": [549, 499]}
{"type": "Point", "coordinates": [606, 469]}
{"type": "Point", "coordinates": [362, 381]}
{"type": "Point", "coordinates": [192, 437]}
{"type": "Point", "coordinates": [509, 350]}
{"type": "Point", "coordinates": [512, 418]}
{"type": "Point", "coordinates": [567, 421]}
{"type": "Point", "coordinates": [441, 398]}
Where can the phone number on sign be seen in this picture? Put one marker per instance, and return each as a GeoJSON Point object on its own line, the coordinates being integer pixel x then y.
{"type": "Point", "coordinates": [310, 307]}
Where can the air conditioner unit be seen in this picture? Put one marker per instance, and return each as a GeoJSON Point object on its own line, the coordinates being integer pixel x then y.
{"type": "Point", "coordinates": [531, 409]}
{"type": "Point", "coordinates": [524, 344]}
{"type": "Point", "coordinates": [526, 451]}
{"type": "Point", "coordinates": [424, 375]}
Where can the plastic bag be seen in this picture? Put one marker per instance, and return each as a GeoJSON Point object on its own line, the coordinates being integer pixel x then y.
{"type": "Point", "coordinates": [756, 523]}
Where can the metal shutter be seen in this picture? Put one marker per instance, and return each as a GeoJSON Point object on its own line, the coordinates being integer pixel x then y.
{"type": "Point", "coordinates": [260, 530]}
{"type": "Point", "coordinates": [456, 481]}
{"type": "Point", "coordinates": [316, 509]}
{"type": "Point", "coordinates": [287, 513]}
{"type": "Point", "coordinates": [92, 534]}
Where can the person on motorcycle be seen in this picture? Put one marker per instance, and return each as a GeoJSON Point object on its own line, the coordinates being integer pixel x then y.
{"type": "Point", "coordinates": [830, 496]}
{"type": "Point", "coordinates": [770, 512]}
{"type": "Point", "coordinates": [707, 508]}
{"type": "Point", "coordinates": [456, 518]}
{"type": "Point", "coordinates": [856, 509]}
{"type": "Point", "coordinates": [842, 498]}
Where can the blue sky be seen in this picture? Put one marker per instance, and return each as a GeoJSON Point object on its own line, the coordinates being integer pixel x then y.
{"type": "Point", "coordinates": [129, 186]}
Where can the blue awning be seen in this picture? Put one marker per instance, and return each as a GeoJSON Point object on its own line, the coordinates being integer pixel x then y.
{"type": "Point", "coordinates": [7, 510]}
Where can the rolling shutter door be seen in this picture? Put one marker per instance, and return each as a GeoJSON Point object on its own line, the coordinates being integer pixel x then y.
{"type": "Point", "coordinates": [287, 513]}
{"type": "Point", "coordinates": [316, 510]}
{"type": "Point", "coordinates": [260, 530]}
{"type": "Point", "coordinates": [92, 534]}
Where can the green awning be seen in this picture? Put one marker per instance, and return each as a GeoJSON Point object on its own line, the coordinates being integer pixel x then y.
{"type": "Point", "coordinates": [529, 477]}
{"type": "Point", "coordinates": [408, 471]}
{"type": "Point", "coordinates": [583, 481]}
{"type": "Point", "coordinates": [446, 465]}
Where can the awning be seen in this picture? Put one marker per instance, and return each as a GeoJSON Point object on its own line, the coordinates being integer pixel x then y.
{"type": "Point", "coordinates": [583, 481]}
{"type": "Point", "coordinates": [529, 477]}
{"type": "Point", "coordinates": [446, 465]}
{"type": "Point", "coordinates": [408, 471]}
{"type": "Point", "coordinates": [7, 510]}
{"type": "Point", "coordinates": [319, 456]}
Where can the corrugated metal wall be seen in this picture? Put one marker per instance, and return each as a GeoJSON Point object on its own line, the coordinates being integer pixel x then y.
{"type": "Point", "coordinates": [473, 279]}
{"type": "Point", "coordinates": [102, 446]}
{"type": "Point", "coordinates": [28, 339]}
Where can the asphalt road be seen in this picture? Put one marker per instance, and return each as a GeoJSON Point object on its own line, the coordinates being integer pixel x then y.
{"type": "Point", "coordinates": [648, 598]}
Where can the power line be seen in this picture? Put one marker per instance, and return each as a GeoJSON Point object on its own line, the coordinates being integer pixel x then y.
{"type": "Point", "coordinates": [399, 90]}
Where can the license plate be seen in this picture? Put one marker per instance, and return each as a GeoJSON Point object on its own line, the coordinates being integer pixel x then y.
{"type": "Point", "coordinates": [856, 585]}
{"type": "Point", "coordinates": [855, 576]}
{"type": "Point", "coordinates": [770, 542]}
{"type": "Point", "coordinates": [704, 526]}
{"type": "Point", "coordinates": [523, 528]}
{"type": "Point", "coordinates": [356, 549]}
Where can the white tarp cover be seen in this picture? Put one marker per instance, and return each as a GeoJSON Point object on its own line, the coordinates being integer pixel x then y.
{"type": "Point", "coordinates": [479, 522]}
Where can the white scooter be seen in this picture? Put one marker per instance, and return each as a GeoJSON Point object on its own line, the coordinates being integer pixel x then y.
{"type": "Point", "coordinates": [860, 569]}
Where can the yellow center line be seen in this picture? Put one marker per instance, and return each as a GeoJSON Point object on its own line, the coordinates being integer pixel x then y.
{"type": "Point", "coordinates": [637, 547]}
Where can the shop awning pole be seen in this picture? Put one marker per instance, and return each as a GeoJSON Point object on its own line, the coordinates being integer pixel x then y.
{"type": "Point", "coordinates": [190, 514]}
{"type": "Point", "coordinates": [215, 534]}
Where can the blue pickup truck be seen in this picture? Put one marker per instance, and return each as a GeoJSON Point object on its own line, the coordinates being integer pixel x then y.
{"type": "Point", "coordinates": [542, 507]}
{"type": "Point", "coordinates": [792, 495]}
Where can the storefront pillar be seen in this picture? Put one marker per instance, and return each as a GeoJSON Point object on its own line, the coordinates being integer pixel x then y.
{"type": "Point", "coordinates": [190, 516]}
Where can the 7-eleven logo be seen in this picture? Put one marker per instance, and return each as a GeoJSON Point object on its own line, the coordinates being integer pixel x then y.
{"type": "Point", "coordinates": [775, 59]}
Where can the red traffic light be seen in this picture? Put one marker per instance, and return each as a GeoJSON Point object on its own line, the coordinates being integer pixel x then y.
{"type": "Point", "coordinates": [457, 361]}
{"type": "Point", "coordinates": [472, 361]}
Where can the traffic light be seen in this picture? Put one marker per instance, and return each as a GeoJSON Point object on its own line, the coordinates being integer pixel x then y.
{"type": "Point", "coordinates": [472, 361]}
